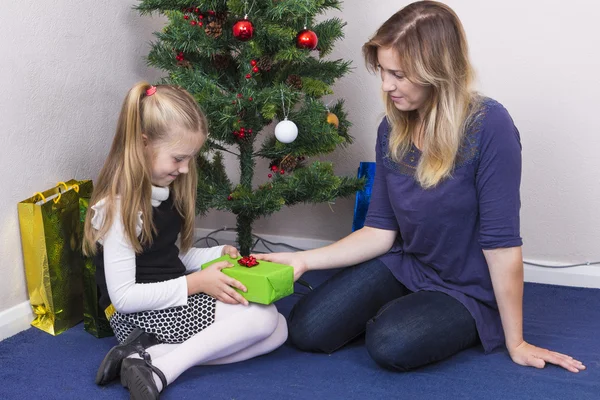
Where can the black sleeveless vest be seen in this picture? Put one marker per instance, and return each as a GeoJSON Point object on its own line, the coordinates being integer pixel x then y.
{"type": "Point", "coordinates": [157, 263]}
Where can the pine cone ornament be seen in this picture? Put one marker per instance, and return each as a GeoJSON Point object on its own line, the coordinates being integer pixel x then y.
{"type": "Point", "coordinates": [265, 63]}
{"type": "Point", "coordinates": [214, 24]}
{"type": "Point", "coordinates": [289, 163]}
{"type": "Point", "coordinates": [214, 29]}
{"type": "Point", "coordinates": [294, 81]}
{"type": "Point", "coordinates": [221, 61]}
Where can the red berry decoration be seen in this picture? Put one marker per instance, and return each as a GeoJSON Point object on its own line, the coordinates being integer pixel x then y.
{"type": "Point", "coordinates": [248, 76]}
{"type": "Point", "coordinates": [307, 39]}
{"type": "Point", "coordinates": [248, 261]}
{"type": "Point", "coordinates": [229, 198]}
{"type": "Point", "coordinates": [282, 172]}
{"type": "Point", "coordinates": [200, 23]}
{"type": "Point", "coordinates": [239, 95]}
{"type": "Point", "coordinates": [193, 23]}
{"type": "Point", "coordinates": [270, 175]}
{"type": "Point", "coordinates": [186, 17]}
{"type": "Point", "coordinates": [243, 30]}
{"type": "Point", "coordinates": [249, 131]}
{"type": "Point", "coordinates": [255, 69]}
{"type": "Point", "coordinates": [253, 63]}
{"type": "Point", "coordinates": [274, 168]}
{"type": "Point", "coordinates": [250, 99]}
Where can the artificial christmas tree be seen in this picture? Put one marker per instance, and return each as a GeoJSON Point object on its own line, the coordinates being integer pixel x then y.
{"type": "Point", "coordinates": [248, 64]}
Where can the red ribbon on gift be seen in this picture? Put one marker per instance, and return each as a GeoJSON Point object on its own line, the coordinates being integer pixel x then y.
{"type": "Point", "coordinates": [248, 261]}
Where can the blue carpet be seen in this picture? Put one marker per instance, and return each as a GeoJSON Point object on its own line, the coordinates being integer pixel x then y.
{"type": "Point", "coordinates": [35, 365]}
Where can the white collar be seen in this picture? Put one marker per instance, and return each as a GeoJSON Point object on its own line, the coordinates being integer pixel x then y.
{"type": "Point", "coordinates": [159, 194]}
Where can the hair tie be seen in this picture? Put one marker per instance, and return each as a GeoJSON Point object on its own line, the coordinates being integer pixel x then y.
{"type": "Point", "coordinates": [151, 90]}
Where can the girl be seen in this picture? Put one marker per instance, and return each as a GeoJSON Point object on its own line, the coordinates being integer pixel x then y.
{"type": "Point", "coordinates": [166, 313]}
{"type": "Point", "coordinates": [438, 266]}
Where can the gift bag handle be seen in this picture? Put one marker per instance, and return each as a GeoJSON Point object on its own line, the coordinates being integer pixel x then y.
{"type": "Point", "coordinates": [75, 187]}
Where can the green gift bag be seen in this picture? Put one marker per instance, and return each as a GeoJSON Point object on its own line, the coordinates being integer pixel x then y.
{"type": "Point", "coordinates": [94, 319]}
{"type": "Point", "coordinates": [51, 239]}
{"type": "Point", "coordinates": [266, 282]}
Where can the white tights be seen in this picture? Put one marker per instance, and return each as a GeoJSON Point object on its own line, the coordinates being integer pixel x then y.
{"type": "Point", "coordinates": [238, 333]}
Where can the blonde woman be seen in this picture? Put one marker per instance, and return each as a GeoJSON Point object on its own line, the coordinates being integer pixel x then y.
{"type": "Point", "coordinates": [438, 266]}
{"type": "Point", "coordinates": [167, 314]}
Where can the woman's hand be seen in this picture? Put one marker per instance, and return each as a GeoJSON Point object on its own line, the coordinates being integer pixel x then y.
{"type": "Point", "coordinates": [292, 259]}
{"type": "Point", "coordinates": [215, 283]}
{"type": "Point", "coordinates": [231, 251]}
{"type": "Point", "coordinates": [533, 356]}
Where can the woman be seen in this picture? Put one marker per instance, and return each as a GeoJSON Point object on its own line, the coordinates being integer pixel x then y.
{"type": "Point", "coordinates": [438, 266]}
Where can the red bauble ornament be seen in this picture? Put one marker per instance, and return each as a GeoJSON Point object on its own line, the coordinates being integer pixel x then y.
{"type": "Point", "coordinates": [200, 23]}
{"type": "Point", "coordinates": [253, 63]}
{"type": "Point", "coordinates": [255, 69]}
{"type": "Point", "coordinates": [248, 76]}
{"type": "Point", "coordinates": [243, 30]}
{"type": "Point", "coordinates": [282, 172]}
{"type": "Point", "coordinates": [307, 39]}
{"type": "Point", "coordinates": [274, 168]}
{"type": "Point", "coordinates": [186, 17]}
{"type": "Point", "coordinates": [193, 23]}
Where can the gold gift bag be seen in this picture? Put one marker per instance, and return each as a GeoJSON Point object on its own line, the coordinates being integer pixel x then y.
{"type": "Point", "coordinates": [51, 235]}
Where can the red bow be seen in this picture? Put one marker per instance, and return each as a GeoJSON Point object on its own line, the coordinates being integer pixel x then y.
{"type": "Point", "coordinates": [248, 261]}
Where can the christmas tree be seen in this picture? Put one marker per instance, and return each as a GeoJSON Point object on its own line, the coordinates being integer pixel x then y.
{"type": "Point", "coordinates": [248, 64]}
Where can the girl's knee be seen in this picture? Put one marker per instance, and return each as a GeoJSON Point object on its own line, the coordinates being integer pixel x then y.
{"type": "Point", "coordinates": [261, 318]}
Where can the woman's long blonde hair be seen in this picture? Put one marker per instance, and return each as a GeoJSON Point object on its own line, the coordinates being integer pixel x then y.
{"type": "Point", "coordinates": [127, 171]}
{"type": "Point", "coordinates": [431, 44]}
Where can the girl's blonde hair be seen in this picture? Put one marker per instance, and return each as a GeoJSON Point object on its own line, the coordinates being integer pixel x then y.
{"type": "Point", "coordinates": [431, 44]}
{"type": "Point", "coordinates": [127, 171]}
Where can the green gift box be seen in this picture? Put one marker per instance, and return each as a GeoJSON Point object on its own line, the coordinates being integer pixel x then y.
{"type": "Point", "coordinates": [266, 282]}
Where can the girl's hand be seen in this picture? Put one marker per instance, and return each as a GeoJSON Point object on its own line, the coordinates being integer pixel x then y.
{"type": "Point", "coordinates": [533, 356]}
{"type": "Point", "coordinates": [215, 283]}
{"type": "Point", "coordinates": [231, 251]}
{"type": "Point", "coordinates": [292, 259]}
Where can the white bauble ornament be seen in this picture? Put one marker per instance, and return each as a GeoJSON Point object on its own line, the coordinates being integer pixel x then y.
{"type": "Point", "coordinates": [286, 131]}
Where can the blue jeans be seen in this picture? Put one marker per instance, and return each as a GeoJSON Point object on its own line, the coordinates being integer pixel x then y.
{"type": "Point", "coordinates": [403, 330]}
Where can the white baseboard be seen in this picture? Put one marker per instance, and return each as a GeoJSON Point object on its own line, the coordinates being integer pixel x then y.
{"type": "Point", "coordinates": [585, 276]}
{"type": "Point", "coordinates": [15, 320]}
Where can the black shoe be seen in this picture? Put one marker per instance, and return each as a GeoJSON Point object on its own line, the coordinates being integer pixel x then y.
{"type": "Point", "coordinates": [136, 375]}
{"type": "Point", "coordinates": [137, 342]}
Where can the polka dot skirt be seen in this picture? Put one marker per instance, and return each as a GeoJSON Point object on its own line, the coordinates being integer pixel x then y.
{"type": "Point", "coordinates": [171, 325]}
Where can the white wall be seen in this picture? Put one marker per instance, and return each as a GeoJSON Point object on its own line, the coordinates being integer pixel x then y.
{"type": "Point", "coordinates": [541, 60]}
{"type": "Point", "coordinates": [64, 70]}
